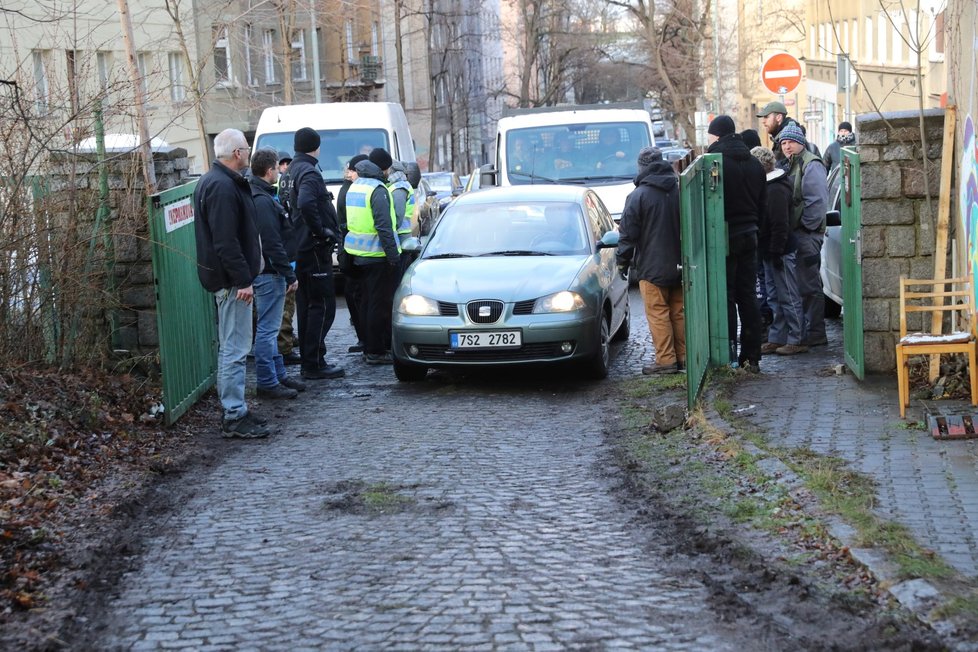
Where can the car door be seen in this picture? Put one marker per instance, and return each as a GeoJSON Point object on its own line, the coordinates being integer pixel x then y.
{"type": "Point", "coordinates": [601, 222]}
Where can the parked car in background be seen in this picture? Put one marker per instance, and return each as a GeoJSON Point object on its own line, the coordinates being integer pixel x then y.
{"type": "Point", "coordinates": [446, 184]}
{"type": "Point", "coordinates": [675, 153]}
{"type": "Point", "coordinates": [428, 209]}
{"type": "Point", "coordinates": [831, 265]}
{"type": "Point", "coordinates": [512, 276]}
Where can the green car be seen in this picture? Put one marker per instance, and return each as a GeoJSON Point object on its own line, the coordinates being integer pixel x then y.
{"type": "Point", "coordinates": [513, 276]}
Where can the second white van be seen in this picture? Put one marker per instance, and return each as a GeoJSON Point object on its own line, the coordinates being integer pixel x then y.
{"type": "Point", "coordinates": [346, 129]}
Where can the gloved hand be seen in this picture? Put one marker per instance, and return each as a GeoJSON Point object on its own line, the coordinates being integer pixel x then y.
{"type": "Point", "coordinates": [623, 270]}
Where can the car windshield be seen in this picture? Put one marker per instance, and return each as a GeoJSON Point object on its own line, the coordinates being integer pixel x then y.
{"type": "Point", "coordinates": [509, 229]}
{"type": "Point", "coordinates": [583, 153]}
{"type": "Point", "coordinates": [336, 149]}
{"type": "Point", "coordinates": [440, 182]}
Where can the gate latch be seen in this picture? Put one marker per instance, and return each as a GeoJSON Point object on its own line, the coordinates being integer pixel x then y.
{"type": "Point", "coordinates": [714, 175]}
{"type": "Point", "coordinates": [858, 242]}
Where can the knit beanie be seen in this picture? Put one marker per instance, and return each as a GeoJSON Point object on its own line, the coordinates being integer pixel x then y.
{"type": "Point", "coordinates": [306, 140]}
{"type": "Point", "coordinates": [750, 138]}
{"type": "Point", "coordinates": [722, 125]}
{"type": "Point", "coordinates": [380, 158]}
{"type": "Point", "coordinates": [793, 132]}
{"type": "Point", "coordinates": [845, 125]}
{"type": "Point", "coordinates": [352, 165]}
{"type": "Point", "coordinates": [648, 156]}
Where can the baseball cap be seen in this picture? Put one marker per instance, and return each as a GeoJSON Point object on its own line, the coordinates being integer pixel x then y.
{"type": "Point", "coordinates": [772, 107]}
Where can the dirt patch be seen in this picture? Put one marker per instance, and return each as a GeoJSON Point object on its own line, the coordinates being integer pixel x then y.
{"type": "Point", "coordinates": [81, 456]}
{"type": "Point", "coordinates": [758, 544]}
{"type": "Point", "coordinates": [380, 498]}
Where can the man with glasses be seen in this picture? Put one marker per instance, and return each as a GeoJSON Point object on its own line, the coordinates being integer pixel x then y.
{"type": "Point", "coordinates": [229, 259]}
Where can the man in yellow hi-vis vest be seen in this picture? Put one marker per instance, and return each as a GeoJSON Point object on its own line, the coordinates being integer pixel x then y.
{"type": "Point", "coordinates": [373, 242]}
{"type": "Point", "coordinates": [403, 196]}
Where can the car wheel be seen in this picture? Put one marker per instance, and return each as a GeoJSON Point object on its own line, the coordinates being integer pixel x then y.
{"type": "Point", "coordinates": [409, 373]}
{"type": "Point", "coordinates": [597, 366]}
{"type": "Point", "coordinates": [626, 325]}
{"type": "Point", "coordinates": [832, 309]}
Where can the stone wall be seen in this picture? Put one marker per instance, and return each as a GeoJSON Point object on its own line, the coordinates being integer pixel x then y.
{"type": "Point", "coordinates": [898, 232]}
{"type": "Point", "coordinates": [131, 308]}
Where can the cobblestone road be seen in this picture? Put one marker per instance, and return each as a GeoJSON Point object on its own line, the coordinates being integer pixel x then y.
{"type": "Point", "coordinates": [504, 532]}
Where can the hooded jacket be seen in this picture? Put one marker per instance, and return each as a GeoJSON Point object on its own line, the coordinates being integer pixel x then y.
{"type": "Point", "coordinates": [277, 242]}
{"type": "Point", "coordinates": [400, 195]}
{"type": "Point", "coordinates": [381, 208]}
{"type": "Point", "coordinates": [314, 215]}
{"type": "Point", "coordinates": [225, 229]}
{"type": "Point", "coordinates": [744, 186]}
{"type": "Point", "coordinates": [649, 228]}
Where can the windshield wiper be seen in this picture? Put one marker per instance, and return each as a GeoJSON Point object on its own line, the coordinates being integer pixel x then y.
{"type": "Point", "coordinates": [530, 175]}
{"type": "Point", "coordinates": [518, 252]}
{"type": "Point", "coordinates": [448, 256]}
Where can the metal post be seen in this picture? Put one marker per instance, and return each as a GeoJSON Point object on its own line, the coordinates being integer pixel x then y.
{"type": "Point", "coordinates": [315, 53]}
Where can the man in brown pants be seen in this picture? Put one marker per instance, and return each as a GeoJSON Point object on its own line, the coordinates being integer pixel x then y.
{"type": "Point", "coordinates": [650, 242]}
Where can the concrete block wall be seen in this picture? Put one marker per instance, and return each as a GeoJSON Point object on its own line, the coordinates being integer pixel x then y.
{"type": "Point", "coordinates": [132, 310]}
{"type": "Point", "coordinates": [898, 228]}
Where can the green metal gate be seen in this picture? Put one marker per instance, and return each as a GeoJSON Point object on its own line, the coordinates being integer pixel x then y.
{"type": "Point", "coordinates": [185, 313]}
{"type": "Point", "coordinates": [852, 262]}
{"type": "Point", "coordinates": [704, 243]}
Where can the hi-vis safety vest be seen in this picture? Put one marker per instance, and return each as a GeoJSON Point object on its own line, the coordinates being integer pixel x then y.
{"type": "Point", "coordinates": [404, 226]}
{"type": "Point", "coordinates": [361, 238]}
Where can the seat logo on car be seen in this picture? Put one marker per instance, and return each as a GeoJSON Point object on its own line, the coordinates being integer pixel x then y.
{"type": "Point", "coordinates": [484, 311]}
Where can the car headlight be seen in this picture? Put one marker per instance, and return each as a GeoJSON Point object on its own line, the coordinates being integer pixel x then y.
{"type": "Point", "coordinates": [416, 305]}
{"type": "Point", "coordinates": [561, 302]}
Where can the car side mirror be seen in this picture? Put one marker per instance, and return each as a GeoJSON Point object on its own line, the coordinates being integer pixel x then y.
{"type": "Point", "coordinates": [609, 240]}
{"type": "Point", "coordinates": [432, 193]}
{"type": "Point", "coordinates": [833, 218]}
{"type": "Point", "coordinates": [411, 245]}
{"type": "Point", "coordinates": [487, 175]}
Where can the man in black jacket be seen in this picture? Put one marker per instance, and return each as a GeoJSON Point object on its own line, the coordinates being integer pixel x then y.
{"type": "Point", "coordinates": [744, 202]}
{"type": "Point", "coordinates": [228, 260]}
{"type": "Point", "coordinates": [277, 279]}
{"type": "Point", "coordinates": [316, 233]}
{"type": "Point", "coordinates": [649, 241]}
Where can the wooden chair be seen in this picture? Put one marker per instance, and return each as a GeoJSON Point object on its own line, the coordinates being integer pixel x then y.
{"type": "Point", "coordinates": [929, 342]}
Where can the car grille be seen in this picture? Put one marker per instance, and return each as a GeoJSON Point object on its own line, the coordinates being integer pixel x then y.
{"type": "Point", "coordinates": [446, 309]}
{"type": "Point", "coordinates": [484, 312]}
{"type": "Point", "coordinates": [542, 351]}
{"type": "Point", "coordinates": [524, 307]}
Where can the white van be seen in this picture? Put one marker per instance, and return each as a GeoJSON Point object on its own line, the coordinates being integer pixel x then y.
{"type": "Point", "coordinates": [346, 129]}
{"type": "Point", "coordinates": [592, 145]}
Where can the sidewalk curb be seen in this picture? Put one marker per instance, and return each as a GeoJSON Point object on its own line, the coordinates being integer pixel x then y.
{"type": "Point", "coordinates": [918, 596]}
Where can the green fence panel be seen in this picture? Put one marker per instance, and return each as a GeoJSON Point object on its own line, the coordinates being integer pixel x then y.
{"type": "Point", "coordinates": [185, 312]}
{"type": "Point", "coordinates": [852, 263]}
{"type": "Point", "coordinates": [704, 244]}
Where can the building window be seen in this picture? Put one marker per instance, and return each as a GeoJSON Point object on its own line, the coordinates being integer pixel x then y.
{"type": "Point", "coordinates": [142, 66]}
{"type": "Point", "coordinates": [939, 34]}
{"type": "Point", "coordinates": [71, 67]}
{"type": "Point", "coordinates": [374, 39]}
{"type": "Point", "coordinates": [178, 89]}
{"type": "Point", "coordinates": [350, 56]}
{"type": "Point", "coordinates": [222, 55]}
{"type": "Point", "coordinates": [103, 62]}
{"type": "Point", "coordinates": [42, 89]}
{"type": "Point", "coordinates": [881, 32]}
{"type": "Point", "coordinates": [896, 51]}
{"type": "Point", "coordinates": [268, 54]}
{"type": "Point", "coordinates": [870, 53]}
{"type": "Point", "coordinates": [249, 69]}
{"type": "Point", "coordinates": [811, 44]}
{"type": "Point", "coordinates": [298, 44]}
{"type": "Point", "coordinates": [854, 40]}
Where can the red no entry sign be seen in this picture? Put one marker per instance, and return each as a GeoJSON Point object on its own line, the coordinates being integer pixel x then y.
{"type": "Point", "coordinates": [781, 73]}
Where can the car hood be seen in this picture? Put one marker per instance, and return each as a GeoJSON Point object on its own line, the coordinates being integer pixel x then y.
{"type": "Point", "coordinates": [507, 278]}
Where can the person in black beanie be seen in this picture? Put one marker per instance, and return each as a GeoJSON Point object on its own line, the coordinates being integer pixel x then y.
{"type": "Point", "coordinates": [353, 284]}
{"type": "Point", "coordinates": [376, 250]}
{"type": "Point", "coordinates": [316, 230]}
{"type": "Point", "coordinates": [751, 138]}
{"type": "Point", "coordinates": [833, 153]}
{"type": "Point", "coordinates": [744, 203]}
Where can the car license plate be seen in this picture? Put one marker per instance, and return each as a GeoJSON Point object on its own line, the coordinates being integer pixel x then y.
{"type": "Point", "coordinates": [486, 339]}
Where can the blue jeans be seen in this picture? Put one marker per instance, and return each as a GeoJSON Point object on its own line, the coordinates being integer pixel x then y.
{"type": "Point", "coordinates": [234, 342]}
{"type": "Point", "coordinates": [269, 302]}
